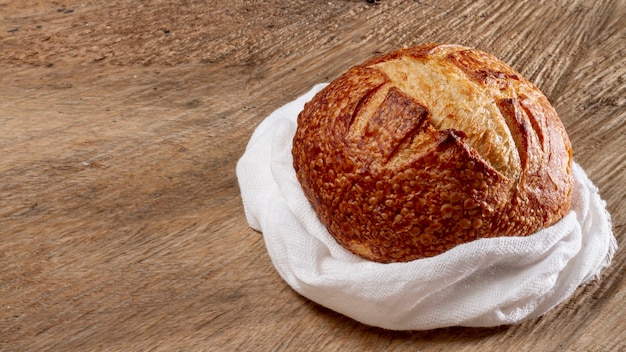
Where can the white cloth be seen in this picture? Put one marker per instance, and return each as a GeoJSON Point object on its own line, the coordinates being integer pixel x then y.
{"type": "Point", "coordinates": [487, 282]}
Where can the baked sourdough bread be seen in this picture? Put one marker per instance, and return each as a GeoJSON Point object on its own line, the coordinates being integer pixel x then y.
{"type": "Point", "coordinates": [420, 150]}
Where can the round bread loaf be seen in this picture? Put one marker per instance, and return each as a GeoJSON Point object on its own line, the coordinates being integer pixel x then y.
{"type": "Point", "coordinates": [420, 150]}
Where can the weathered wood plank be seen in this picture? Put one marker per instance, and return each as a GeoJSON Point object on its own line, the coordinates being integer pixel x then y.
{"type": "Point", "coordinates": [121, 225]}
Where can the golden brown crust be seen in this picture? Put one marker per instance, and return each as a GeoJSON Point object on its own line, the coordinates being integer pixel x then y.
{"type": "Point", "coordinates": [417, 151]}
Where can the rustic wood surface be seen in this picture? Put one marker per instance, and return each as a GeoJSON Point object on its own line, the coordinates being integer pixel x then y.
{"type": "Point", "coordinates": [121, 223]}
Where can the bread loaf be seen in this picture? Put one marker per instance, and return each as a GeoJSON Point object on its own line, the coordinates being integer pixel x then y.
{"type": "Point", "coordinates": [420, 150]}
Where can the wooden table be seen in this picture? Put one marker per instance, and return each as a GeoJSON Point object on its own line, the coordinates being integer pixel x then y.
{"type": "Point", "coordinates": [121, 223]}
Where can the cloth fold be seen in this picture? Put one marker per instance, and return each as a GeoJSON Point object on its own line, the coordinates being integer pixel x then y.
{"type": "Point", "coordinates": [487, 282]}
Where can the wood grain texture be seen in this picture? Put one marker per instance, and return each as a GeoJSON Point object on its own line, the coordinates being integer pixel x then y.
{"type": "Point", "coordinates": [121, 224]}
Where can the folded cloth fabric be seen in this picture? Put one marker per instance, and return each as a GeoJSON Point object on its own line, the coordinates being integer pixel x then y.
{"type": "Point", "coordinates": [487, 282]}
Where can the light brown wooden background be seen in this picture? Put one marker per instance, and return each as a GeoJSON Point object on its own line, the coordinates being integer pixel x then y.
{"type": "Point", "coordinates": [121, 224]}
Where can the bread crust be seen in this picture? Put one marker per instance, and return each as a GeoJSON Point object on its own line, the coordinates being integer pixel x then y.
{"type": "Point", "coordinates": [417, 151]}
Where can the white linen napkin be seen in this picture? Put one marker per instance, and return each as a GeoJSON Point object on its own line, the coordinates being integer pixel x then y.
{"type": "Point", "coordinates": [487, 282]}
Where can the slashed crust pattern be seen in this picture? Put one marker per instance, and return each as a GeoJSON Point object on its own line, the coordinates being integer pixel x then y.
{"type": "Point", "coordinates": [420, 150]}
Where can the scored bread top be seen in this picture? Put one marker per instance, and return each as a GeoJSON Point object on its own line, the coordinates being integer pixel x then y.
{"type": "Point", "coordinates": [417, 151]}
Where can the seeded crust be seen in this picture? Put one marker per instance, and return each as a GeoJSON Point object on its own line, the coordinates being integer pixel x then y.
{"type": "Point", "coordinates": [415, 152]}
